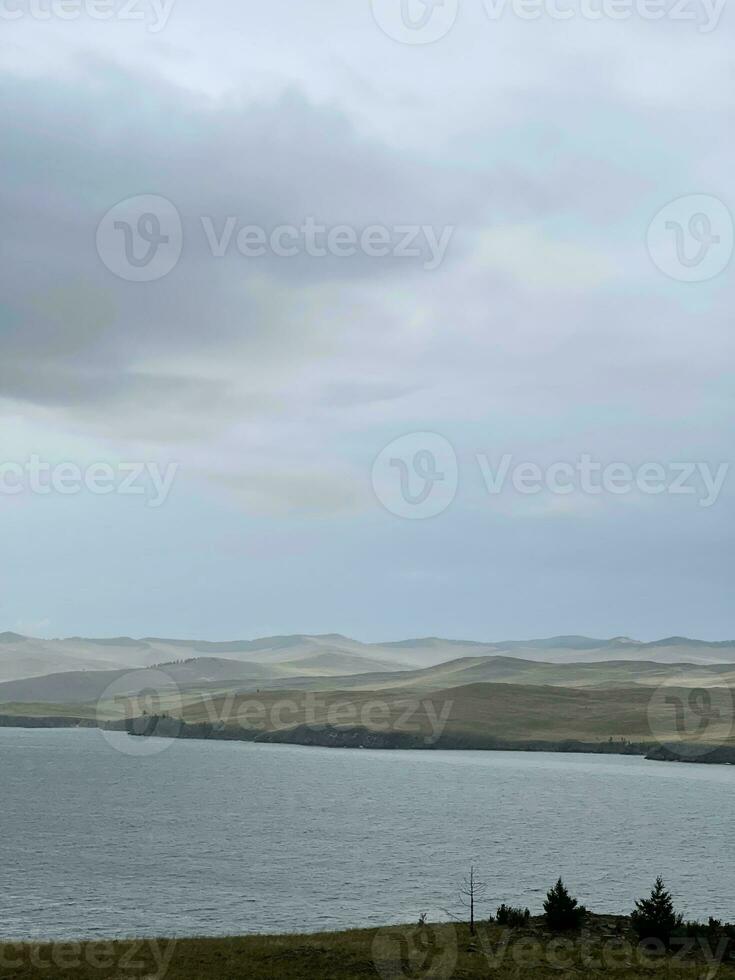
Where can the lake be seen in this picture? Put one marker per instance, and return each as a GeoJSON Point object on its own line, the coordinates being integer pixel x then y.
{"type": "Point", "coordinates": [211, 838]}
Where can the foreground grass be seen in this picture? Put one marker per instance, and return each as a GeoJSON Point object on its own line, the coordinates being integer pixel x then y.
{"type": "Point", "coordinates": [443, 952]}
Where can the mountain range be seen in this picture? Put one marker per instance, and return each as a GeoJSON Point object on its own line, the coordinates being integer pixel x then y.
{"type": "Point", "coordinates": [78, 670]}
{"type": "Point", "coordinates": [23, 656]}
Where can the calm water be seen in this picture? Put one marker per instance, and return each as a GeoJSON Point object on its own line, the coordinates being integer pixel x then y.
{"type": "Point", "coordinates": [216, 838]}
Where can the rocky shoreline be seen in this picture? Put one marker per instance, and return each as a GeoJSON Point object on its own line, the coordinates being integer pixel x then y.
{"type": "Point", "coordinates": [358, 737]}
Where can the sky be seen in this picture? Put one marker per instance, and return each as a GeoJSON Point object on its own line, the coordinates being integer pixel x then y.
{"type": "Point", "coordinates": [360, 318]}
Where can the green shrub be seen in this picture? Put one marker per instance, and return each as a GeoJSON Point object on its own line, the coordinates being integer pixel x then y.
{"type": "Point", "coordinates": [713, 931]}
{"type": "Point", "coordinates": [507, 915]}
{"type": "Point", "coordinates": [561, 910]}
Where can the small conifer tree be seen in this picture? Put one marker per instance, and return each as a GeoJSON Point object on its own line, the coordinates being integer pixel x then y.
{"type": "Point", "coordinates": [561, 910]}
{"type": "Point", "coordinates": [654, 917]}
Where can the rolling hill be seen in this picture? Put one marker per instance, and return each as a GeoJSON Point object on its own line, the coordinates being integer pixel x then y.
{"type": "Point", "coordinates": [329, 671]}
{"type": "Point", "coordinates": [335, 656]}
{"type": "Point", "coordinates": [474, 712]}
{"type": "Point", "coordinates": [197, 675]}
{"type": "Point", "coordinates": [512, 670]}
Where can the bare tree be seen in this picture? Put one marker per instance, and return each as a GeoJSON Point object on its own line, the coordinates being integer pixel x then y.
{"type": "Point", "coordinates": [472, 891]}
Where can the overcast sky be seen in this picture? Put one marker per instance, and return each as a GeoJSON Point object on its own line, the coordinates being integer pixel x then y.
{"type": "Point", "coordinates": [540, 321]}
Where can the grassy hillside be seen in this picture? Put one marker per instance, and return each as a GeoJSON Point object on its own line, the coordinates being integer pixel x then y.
{"type": "Point", "coordinates": [198, 674]}
{"type": "Point", "coordinates": [44, 710]}
{"type": "Point", "coordinates": [443, 952]}
{"type": "Point", "coordinates": [345, 672]}
{"type": "Point", "coordinates": [474, 711]}
{"type": "Point", "coordinates": [513, 670]}
{"type": "Point", "coordinates": [499, 710]}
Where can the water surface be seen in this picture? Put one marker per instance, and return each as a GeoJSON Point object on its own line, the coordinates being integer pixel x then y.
{"type": "Point", "coordinates": [209, 838]}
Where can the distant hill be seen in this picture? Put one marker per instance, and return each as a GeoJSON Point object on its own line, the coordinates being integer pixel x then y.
{"type": "Point", "coordinates": [36, 658]}
{"type": "Point", "coordinates": [575, 649]}
{"type": "Point", "coordinates": [335, 663]}
{"type": "Point", "coordinates": [192, 676]}
{"type": "Point", "coordinates": [479, 698]}
{"type": "Point", "coordinates": [567, 643]}
{"type": "Point", "coordinates": [333, 654]}
{"type": "Point", "coordinates": [512, 670]}
{"type": "Point", "coordinates": [493, 710]}
{"type": "Point", "coordinates": [213, 676]}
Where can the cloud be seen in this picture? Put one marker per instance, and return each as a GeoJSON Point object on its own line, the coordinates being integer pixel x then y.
{"type": "Point", "coordinates": [228, 355]}
{"type": "Point", "coordinates": [75, 336]}
{"type": "Point", "coordinates": [546, 331]}
{"type": "Point", "coordinates": [534, 260]}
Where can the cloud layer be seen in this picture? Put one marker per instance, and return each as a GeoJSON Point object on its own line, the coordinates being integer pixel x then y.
{"type": "Point", "coordinates": [545, 331]}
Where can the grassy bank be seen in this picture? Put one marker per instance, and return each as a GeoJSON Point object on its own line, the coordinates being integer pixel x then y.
{"type": "Point", "coordinates": [477, 716]}
{"type": "Point", "coordinates": [604, 948]}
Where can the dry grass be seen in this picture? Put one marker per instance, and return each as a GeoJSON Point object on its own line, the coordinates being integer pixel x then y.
{"type": "Point", "coordinates": [509, 711]}
{"type": "Point", "coordinates": [445, 952]}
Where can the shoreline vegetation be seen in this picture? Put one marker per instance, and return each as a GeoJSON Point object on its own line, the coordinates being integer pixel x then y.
{"type": "Point", "coordinates": [567, 939]}
{"type": "Point", "coordinates": [360, 737]}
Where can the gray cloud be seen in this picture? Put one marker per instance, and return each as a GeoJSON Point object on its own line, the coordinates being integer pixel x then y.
{"type": "Point", "coordinates": [546, 331]}
{"type": "Point", "coordinates": [73, 334]}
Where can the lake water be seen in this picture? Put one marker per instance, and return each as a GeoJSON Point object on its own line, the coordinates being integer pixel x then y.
{"type": "Point", "coordinates": [209, 838]}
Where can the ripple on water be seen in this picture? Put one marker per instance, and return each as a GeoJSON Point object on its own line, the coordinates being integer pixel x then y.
{"type": "Point", "coordinates": [211, 838]}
